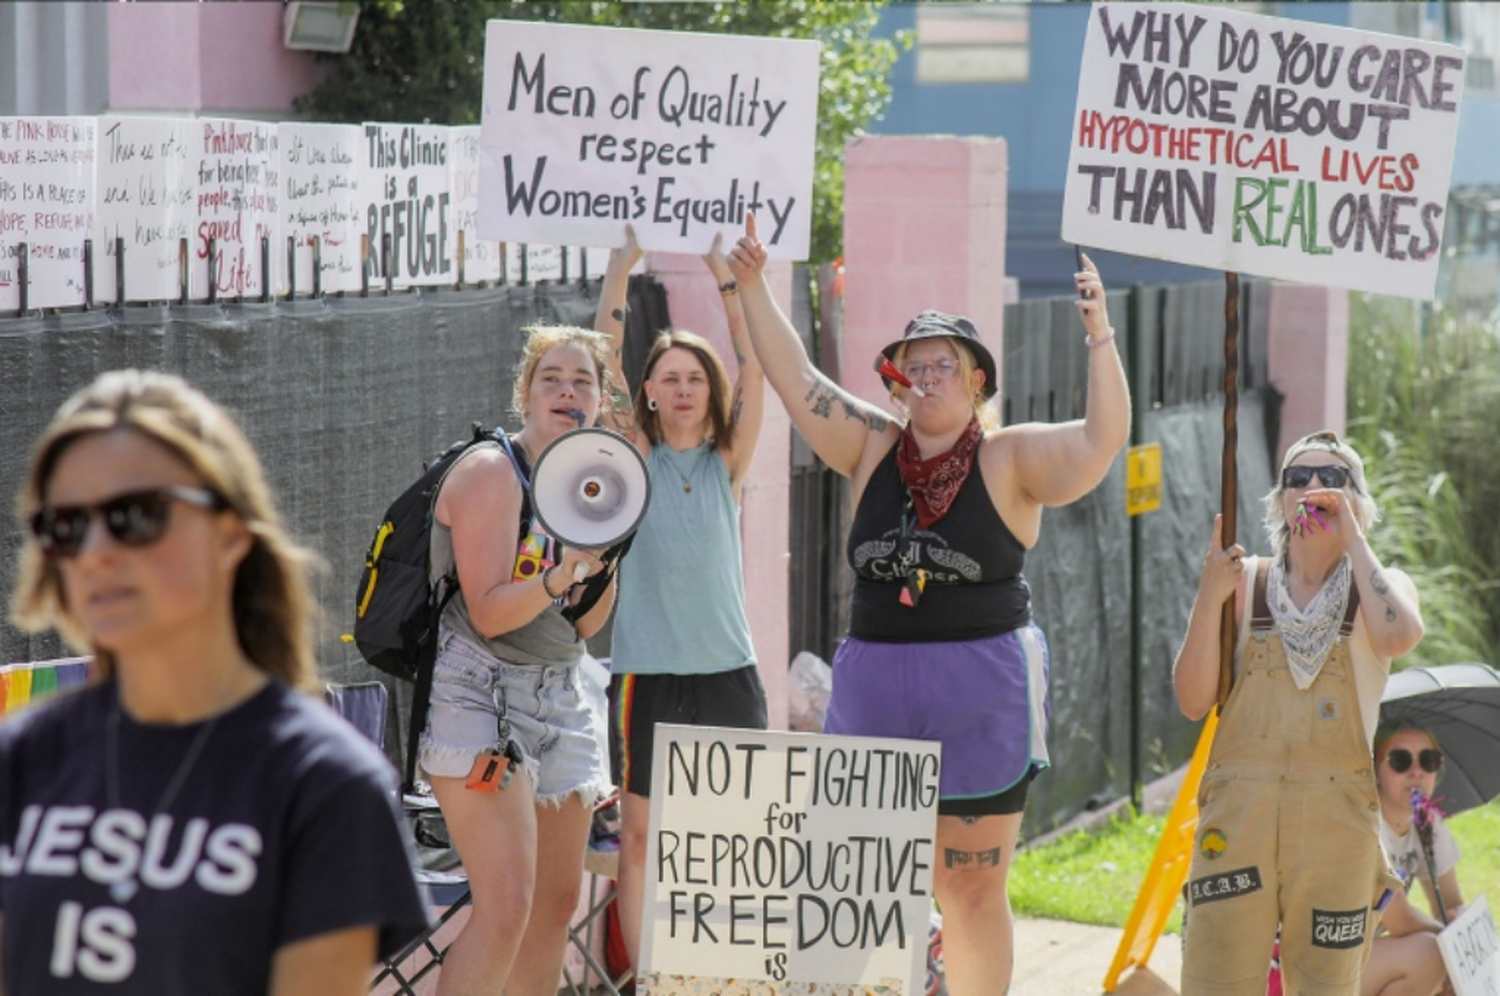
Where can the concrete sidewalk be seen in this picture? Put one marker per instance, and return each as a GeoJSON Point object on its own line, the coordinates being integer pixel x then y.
{"type": "Point", "coordinates": [1057, 958]}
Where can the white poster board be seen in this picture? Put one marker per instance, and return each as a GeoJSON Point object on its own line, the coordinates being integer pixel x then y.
{"type": "Point", "coordinates": [787, 859]}
{"type": "Point", "coordinates": [320, 199]}
{"type": "Point", "coordinates": [1471, 951]}
{"type": "Point", "coordinates": [46, 202]}
{"type": "Point", "coordinates": [238, 197]}
{"type": "Point", "coordinates": [403, 186]}
{"type": "Point", "coordinates": [481, 257]}
{"type": "Point", "coordinates": [1268, 146]}
{"type": "Point", "coordinates": [147, 184]}
{"type": "Point", "coordinates": [678, 133]}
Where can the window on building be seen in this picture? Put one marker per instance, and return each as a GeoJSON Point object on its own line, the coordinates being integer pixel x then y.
{"type": "Point", "coordinates": [973, 43]}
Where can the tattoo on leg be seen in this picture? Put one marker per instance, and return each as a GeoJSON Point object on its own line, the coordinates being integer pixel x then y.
{"type": "Point", "coordinates": [972, 860]}
{"type": "Point", "coordinates": [1383, 588]}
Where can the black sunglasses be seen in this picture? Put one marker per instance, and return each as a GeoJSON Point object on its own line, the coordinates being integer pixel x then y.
{"type": "Point", "coordinates": [1300, 476]}
{"type": "Point", "coordinates": [1431, 759]}
{"type": "Point", "coordinates": [134, 519]}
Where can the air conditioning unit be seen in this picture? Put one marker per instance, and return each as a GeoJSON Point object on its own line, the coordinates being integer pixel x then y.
{"type": "Point", "coordinates": [319, 25]}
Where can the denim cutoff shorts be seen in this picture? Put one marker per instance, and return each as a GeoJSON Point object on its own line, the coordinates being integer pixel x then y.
{"type": "Point", "coordinates": [550, 720]}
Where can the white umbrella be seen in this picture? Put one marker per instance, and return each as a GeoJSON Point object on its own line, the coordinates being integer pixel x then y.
{"type": "Point", "coordinates": [1459, 704]}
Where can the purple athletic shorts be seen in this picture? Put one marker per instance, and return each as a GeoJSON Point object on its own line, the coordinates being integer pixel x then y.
{"type": "Point", "coordinates": [984, 700]}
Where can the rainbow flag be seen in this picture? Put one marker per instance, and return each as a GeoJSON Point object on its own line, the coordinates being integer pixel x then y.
{"type": "Point", "coordinates": [22, 683]}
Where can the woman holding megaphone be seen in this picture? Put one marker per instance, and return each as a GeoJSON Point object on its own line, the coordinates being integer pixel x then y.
{"type": "Point", "coordinates": [680, 649]}
{"type": "Point", "coordinates": [505, 696]}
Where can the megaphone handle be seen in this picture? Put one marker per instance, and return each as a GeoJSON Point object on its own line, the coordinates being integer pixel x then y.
{"type": "Point", "coordinates": [580, 571]}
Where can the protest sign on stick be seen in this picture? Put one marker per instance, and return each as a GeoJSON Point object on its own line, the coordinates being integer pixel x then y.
{"type": "Point", "coordinates": [146, 210]}
{"type": "Point", "coordinates": [680, 134]}
{"type": "Point", "coordinates": [403, 186]}
{"type": "Point", "coordinates": [320, 200]}
{"type": "Point", "coordinates": [1218, 138]}
{"type": "Point", "coordinates": [782, 862]}
{"type": "Point", "coordinates": [47, 203]}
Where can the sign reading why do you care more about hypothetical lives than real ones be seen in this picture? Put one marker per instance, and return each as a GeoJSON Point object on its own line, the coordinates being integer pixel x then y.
{"type": "Point", "coordinates": [787, 862]}
{"type": "Point", "coordinates": [1269, 146]}
{"type": "Point", "coordinates": [679, 134]}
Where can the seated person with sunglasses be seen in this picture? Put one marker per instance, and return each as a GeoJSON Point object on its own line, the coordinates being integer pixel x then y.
{"type": "Point", "coordinates": [191, 821]}
{"type": "Point", "coordinates": [1288, 832]}
{"type": "Point", "coordinates": [1405, 957]}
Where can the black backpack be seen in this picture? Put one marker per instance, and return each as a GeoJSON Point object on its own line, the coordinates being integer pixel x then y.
{"type": "Point", "coordinates": [397, 607]}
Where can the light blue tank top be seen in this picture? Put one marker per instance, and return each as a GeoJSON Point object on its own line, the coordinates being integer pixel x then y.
{"type": "Point", "coordinates": [681, 606]}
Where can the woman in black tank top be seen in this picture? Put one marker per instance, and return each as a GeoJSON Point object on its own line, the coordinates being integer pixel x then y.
{"type": "Point", "coordinates": [946, 504]}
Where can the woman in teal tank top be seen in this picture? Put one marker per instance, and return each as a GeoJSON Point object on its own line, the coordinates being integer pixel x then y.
{"type": "Point", "coordinates": [681, 650]}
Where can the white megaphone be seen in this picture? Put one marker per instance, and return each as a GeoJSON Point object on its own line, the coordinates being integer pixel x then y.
{"type": "Point", "coordinates": [590, 488]}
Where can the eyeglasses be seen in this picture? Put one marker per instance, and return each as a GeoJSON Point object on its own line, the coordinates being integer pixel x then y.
{"type": "Point", "coordinates": [138, 518]}
{"type": "Point", "coordinates": [941, 369]}
{"type": "Point", "coordinates": [1431, 759]}
{"type": "Point", "coordinates": [1299, 476]}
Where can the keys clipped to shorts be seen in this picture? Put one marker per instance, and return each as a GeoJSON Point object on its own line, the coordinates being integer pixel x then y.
{"type": "Point", "coordinates": [912, 588]}
{"type": "Point", "coordinates": [493, 768]}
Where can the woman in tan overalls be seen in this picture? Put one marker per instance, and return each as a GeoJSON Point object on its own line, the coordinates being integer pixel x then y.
{"type": "Point", "coordinates": [1288, 830]}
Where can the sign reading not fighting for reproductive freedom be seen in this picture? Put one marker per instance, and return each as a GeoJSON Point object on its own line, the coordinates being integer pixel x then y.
{"type": "Point", "coordinates": [1269, 146]}
{"type": "Point", "coordinates": [780, 858]}
{"type": "Point", "coordinates": [679, 134]}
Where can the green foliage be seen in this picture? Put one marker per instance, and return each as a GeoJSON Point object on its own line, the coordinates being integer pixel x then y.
{"type": "Point", "coordinates": [1424, 405]}
{"type": "Point", "coordinates": [424, 62]}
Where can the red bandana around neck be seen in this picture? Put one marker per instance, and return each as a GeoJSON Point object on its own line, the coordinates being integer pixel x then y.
{"type": "Point", "coordinates": [934, 482]}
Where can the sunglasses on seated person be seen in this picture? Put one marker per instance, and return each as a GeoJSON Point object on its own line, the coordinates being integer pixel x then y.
{"type": "Point", "coordinates": [1399, 758]}
{"type": "Point", "coordinates": [1299, 476]}
{"type": "Point", "coordinates": [138, 518]}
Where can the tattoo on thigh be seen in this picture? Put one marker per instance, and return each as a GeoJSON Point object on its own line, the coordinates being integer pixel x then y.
{"type": "Point", "coordinates": [972, 860]}
{"type": "Point", "coordinates": [1383, 588]}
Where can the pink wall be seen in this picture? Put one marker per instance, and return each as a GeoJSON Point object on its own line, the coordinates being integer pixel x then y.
{"type": "Point", "coordinates": [208, 58]}
{"type": "Point", "coordinates": [1308, 358]}
{"type": "Point", "coordinates": [924, 227]}
{"type": "Point", "coordinates": [765, 525]}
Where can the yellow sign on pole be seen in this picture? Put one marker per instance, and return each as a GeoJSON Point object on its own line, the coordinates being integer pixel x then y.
{"type": "Point", "coordinates": [1143, 479]}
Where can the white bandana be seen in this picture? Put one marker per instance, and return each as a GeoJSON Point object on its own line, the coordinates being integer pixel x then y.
{"type": "Point", "coordinates": [1309, 634]}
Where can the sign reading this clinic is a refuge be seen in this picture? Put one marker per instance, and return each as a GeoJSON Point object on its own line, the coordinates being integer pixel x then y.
{"type": "Point", "coordinates": [679, 134]}
{"type": "Point", "coordinates": [1270, 146]}
{"type": "Point", "coordinates": [787, 862]}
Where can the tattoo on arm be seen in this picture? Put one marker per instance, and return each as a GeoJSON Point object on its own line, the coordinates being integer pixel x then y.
{"type": "Point", "coordinates": [1383, 588]}
{"type": "Point", "coordinates": [820, 400]}
{"type": "Point", "coordinates": [618, 314]}
{"type": "Point", "coordinates": [972, 860]}
{"type": "Point", "coordinates": [736, 408]}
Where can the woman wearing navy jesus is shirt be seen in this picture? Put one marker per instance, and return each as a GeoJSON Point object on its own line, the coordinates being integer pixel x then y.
{"type": "Point", "coordinates": [191, 821]}
{"type": "Point", "coordinates": [941, 645]}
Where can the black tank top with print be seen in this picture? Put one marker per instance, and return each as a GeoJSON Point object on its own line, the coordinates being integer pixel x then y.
{"type": "Point", "coordinates": [974, 584]}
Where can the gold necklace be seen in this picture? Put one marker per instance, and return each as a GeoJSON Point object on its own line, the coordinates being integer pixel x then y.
{"type": "Point", "coordinates": [688, 478]}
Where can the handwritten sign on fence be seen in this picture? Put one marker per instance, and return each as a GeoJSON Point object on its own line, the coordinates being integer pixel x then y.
{"type": "Point", "coordinates": [781, 858]}
{"type": "Point", "coordinates": [1276, 147]}
{"type": "Point", "coordinates": [481, 257]}
{"type": "Point", "coordinates": [320, 201]}
{"type": "Point", "coordinates": [147, 182]}
{"type": "Point", "coordinates": [46, 202]}
{"type": "Point", "coordinates": [404, 187]}
{"type": "Point", "coordinates": [680, 134]}
{"type": "Point", "coordinates": [238, 206]}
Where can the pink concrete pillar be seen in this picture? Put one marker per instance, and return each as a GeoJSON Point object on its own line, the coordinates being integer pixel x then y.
{"type": "Point", "coordinates": [765, 525]}
{"type": "Point", "coordinates": [924, 227]}
{"type": "Point", "coordinates": [1307, 354]}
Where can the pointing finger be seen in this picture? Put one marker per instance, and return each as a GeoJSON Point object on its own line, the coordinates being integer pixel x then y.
{"type": "Point", "coordinates": [750, 225]}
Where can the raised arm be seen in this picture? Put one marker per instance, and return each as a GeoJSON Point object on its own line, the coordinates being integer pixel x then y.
{"type": "Point", "coordinates": [609, 319]}
{"type": "Point", "coordinates": [747, 403]}
{"type": "Point", "coordinates": [1195, 674]}
{"type": "Point", "coordinates": [1058, 464]}
{"type": "Point", "coordinates": [836, 424]}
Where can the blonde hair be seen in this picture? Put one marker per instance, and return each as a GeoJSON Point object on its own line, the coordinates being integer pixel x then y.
{"type": "Point", "coordinates": [984, 409]}
{"type": "Point", "coordinates": [541, 339]}
{"type": "Point", "coordinates": [718, 385]}
{"type": "Point", "coordinates": [272, 599]}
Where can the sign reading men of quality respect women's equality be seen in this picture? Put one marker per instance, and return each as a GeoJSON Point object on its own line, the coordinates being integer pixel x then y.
{"type": "Point", "coordinates": [787, 862]}
{"type": "Point", "coordinates": [679, 134]}
{"type": "Point", "coordinates": [1269, 146]}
